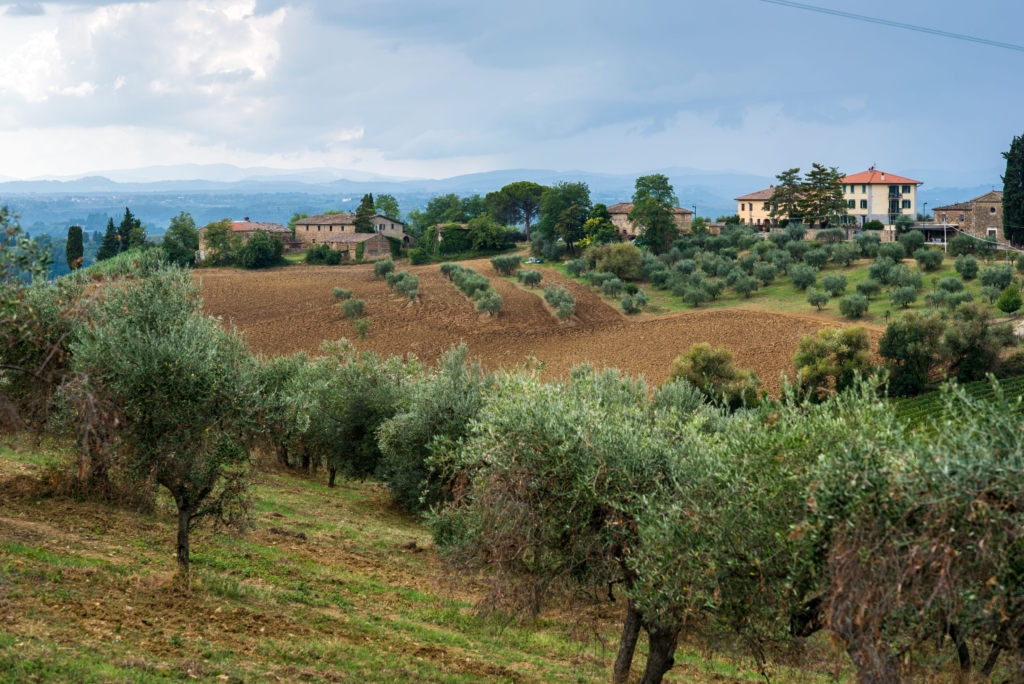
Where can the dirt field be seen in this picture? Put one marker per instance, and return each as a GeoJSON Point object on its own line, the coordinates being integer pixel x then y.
{"type": "Point", "coordinates": [292, 309]}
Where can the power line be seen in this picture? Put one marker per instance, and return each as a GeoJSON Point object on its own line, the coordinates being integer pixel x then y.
{"type": "Point", "coordinates": [896, 24]}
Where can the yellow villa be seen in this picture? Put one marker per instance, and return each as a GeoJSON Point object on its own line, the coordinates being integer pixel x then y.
{"type": "Point", "coordinates": [755, 209]}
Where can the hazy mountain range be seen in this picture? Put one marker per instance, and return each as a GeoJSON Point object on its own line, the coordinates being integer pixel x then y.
{"type": "Point", "coordinates": [211, 192]}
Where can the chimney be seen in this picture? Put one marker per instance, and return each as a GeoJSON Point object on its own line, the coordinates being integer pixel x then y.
{"type": "Point", "coordinates": [247, 218]}
{"type": "Point", "coordinates": [883, 178]}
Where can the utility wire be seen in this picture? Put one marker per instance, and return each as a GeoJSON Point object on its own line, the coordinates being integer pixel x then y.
{"type": "Point", "coordinates": [896, 24]}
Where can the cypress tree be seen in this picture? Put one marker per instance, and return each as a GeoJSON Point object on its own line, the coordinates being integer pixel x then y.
{"type": "Point", "coordinates": [1013, 192]}
{"type": "Point", "coordinates": [364, 215]}
{"type": "Point", "coordinates": [124, 231]}
{"type": "Point", "coordinates": [74, 249]}
{"type": "Point", "coordinates": [109, 246]}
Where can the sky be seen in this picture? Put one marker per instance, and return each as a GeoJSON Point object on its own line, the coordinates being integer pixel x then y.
{"type": "Point", "coordinates": [434, 89]}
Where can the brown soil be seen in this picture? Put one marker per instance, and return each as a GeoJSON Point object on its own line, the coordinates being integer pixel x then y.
{"type": "Point", "coordinates": [292, 309]}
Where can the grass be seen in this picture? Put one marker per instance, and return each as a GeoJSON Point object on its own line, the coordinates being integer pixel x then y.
{"type": "Point", "coordinates": [920, 410]}
{"type": "Point", "coordinates": [782, 296]}
{"type": "Point", "coordinates": [88, 593]}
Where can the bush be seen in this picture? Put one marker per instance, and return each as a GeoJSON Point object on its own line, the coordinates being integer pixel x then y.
{"type": "Point", "coordinates": [408, 284]}
{"type": "Point", "coordinates": [506, 265]}
{"type": "Point", "coordinates": [560, 299]}
{"type": "Point", "coordinates": [353, 308]}
{"type": "Point", "coordinates": [695, 295]}
{"type": "Point", "coordinates": [489, 301]}
{"type": "Point", "coordinates": [733, 275]}
{"type": "Point", "coordinates": [951, 284]}
{"type": "Point", "coordinates": [952, 300]}
{"type": "Point", "coordinates": [782, 260]}
{"type": "Point", "coordinates": [845, 254]}
{"type": "Point", "coordinates": [881, 269]}
{"type": "Point", "coordinates": [629, 305]}
{"type": "Point", "coordinates": [853, 305]}
{"type": "Point", "coordinates": [903, 296]}
{"type": "Point", "coordinates": [997, 276]}
{"type": "Point", "coordinates": [834, 284]}
{"type": "Point", "coordinates": [261, 250]}
{"type": "Point", "coordinates": [469, 282]}
{"type": "Point", "coordinates": [640, 299]}
{"type": "Point", "coordinates": [797, 250]}
{"type": "Point", "coordinates": [928, 259]}
{"type": "Point", "coordinates": [660, 278]}
{"type": "Point", "coordinates": [892, 250]}
{"type": "Point", "coordinates": [991, 293]}
{"type": "Point", "coordinates": [713, 288]}
{"type": "Point", "coordinates": [966, 266]}
{"type": "Point", "coordinates": [831, 235]}
{"type": "Point", "coordinates": [1009, 301]}
{"type": "Point", "coordinates": [803, 276]}
{"type": "Point", "coordinates": [868, 244]}
{"type": "Point", "coordinates": [873, 225]}
{"type": "Point", "coordinates": [829, 362]}
{"type": "Point", "coordinates": [745, 285]}
{"type": "Point", "coordinates": [1020, 264]}
{"type": "Point", "coordinates": [902, 276]}
{"type": "Point", "coordinates": [598, 279]}
{"type": "Point", "coordinates": [419, 256]}
{"type": "Point", "coordinates": [612, 288]}
{"type": "Point", "coordinates": [622, 259]}
{"type": "Point", "coordinates": [449, 270]}
{"type": "Point", "coordinates": [912, 241]}
{"type": "Point", "coordinates": [817, 298]}
{"type": "Point", "coordinates": [530, 277]}
{"type": "Point", "coordinates": [685, 266]}
{"type": "Point", "coordinates": [869, 288]}
{"type": "Point", "coordinates": [362, 326]}
{"type": "Point", "coordinates": [910, 347]}
{"type": "Point", "coordinates": [382, 268]}
{"type": "Point", "coordinates": [747, 263]}
{"type": "Point", "coordinates": [576, 267]}
{"type": "Point", "coordinates": [816, 258]}
{"type": "Point", "coordinates": [339, 293]}
{"type": "Point", "coordinates": [961, 244]}
{"type": "Point", "coordinates": [766, 273]}
{"type": "Point", "coordinates": [713, 372]}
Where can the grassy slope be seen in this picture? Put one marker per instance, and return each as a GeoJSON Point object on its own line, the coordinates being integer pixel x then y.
{"type": "Point", "coordinates": [782, 296]}
{"type": "Point", "coordinates": [87, 594]}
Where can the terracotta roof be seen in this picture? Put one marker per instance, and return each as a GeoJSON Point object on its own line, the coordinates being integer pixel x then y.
{"type": "Point", "coordinates": [759, 195]}
{"type": "Point", "coordinates": [626, 207]}
{"type": "Point", "coordinates": [991, 196]}
{"type": "Point", "coordinates": [339, 220]}
{"type": "Point", "coordinates": [244, 226]}
{"type": "Point", "coordinates": [959, 206]}
{"type": "Point", "coordinates": [349, 237]}
{"type": "Point", "coordinates": [876, 177]}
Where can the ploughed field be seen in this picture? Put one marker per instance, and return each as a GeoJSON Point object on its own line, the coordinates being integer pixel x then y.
{"type": "Point", "coordinates": [291, 309]}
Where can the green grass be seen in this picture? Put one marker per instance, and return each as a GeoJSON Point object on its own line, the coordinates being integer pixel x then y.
{"type": "Point", "coordinates": [87, 594]}
{"type": "Point", "coordinates": [782, 296]}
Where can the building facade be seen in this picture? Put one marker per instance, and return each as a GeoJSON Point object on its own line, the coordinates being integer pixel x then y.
{"type": "Point", "coordinates": [981, 217]}
{"type": "Point", "coordinates": [875, 195]}
{"type": "Point", "coordinates": [620, 218]}
{"type": "Point", "coordinates": [755, 209]}
{"type": "Point", "coordinates": [245, 229]}
{"type": "Point", "coordinates": [375, 245]}
{"type": "Point", "coordinates": [316, 229]}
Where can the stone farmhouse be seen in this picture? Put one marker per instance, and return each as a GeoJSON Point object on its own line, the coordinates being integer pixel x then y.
{"type": "Point", "coordinates": [375, 245]}
{"type": "Point", "coordinates": [245, 229]}
{"type": "Point", "coordinates": [620, 218]}
{"type": "Point", "coordinates": [981, 217]}
{"type": "Point", "coordinates": [316, 229]}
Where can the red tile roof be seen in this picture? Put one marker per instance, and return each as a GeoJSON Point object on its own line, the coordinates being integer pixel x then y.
{"type": "Point", "coordinates": [626, 207]}
{"type": "Point", "coordinates": [876, 177]}
{"type": "Point", "coordinates": [759, 195]}
{"type": "Point", "coordinates": [246, 226]}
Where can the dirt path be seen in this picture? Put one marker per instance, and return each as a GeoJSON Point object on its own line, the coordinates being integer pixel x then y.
{"type": "Point", "coordinates": [292, 309]}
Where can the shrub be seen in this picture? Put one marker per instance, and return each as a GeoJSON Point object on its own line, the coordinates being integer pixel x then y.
{"type": "Point", "coordinates": [382, 268]}
{"type": "Point", "coordinates": [409, 285]}
{"type": "Point", "coordinates": [576, 267]}
{"type": "Point", "coordinates": [903, 296]}
{"type": "Point", "coordinates": [506, 265]}
{"type": "Point", "coordinates": [902, 276]}
{"type": "Point", "coordinates": [1009, 301]}
{"type": "Point", "coordinates": [971, 344]}
{"type": "Point", "coordinates": [353, 308]}
{"type": "Point", "coordinates": [951, 284]}
{"type": "Point", "coordinates": [766, 273]}
{"type": "Point", "coordinates": [745, 285]}
{"type": "Point", "coordinates": [873, 225]}
{"type": "Point", "coordinates": [797, 250]}
{"type": "Point", "coordinates": [685, 266]}
{"type": "Point", "coordinates": [853, 305]}
{"type": "Point", "coordinates": [261, 250]}
{"type": "Point", "coordinates": [489, 301]}
{"type": "Point", "coordinates": [419, 256]}
{"type": "Point", "coordinates": [991, 293]}
{"type": "Point", "coordinates": [829, 362]}
{"type": "Point", "coordinates": [712, 288]}
{"type": "Point", "coordinates": [660, 278]}
{"type": "Point", "coordinates": [598, 279]}
{"type": "Point", "coordinates": [881, 269]}
{"type": "Point", "coordinates": [868, 244]}
{"type": "Point", "coordinates": [640, 299]}
{"type": "Point", "coordinates": [834, 284]}
{"type": "Point", "coordinates": [816, 258]}
{"type": "Point", "coordinates": [892, 250]}
{"type": "Point", "coordinates": [733, 275]}
{"type": "Point", "coordinates": [961, 244]}
{"type": "Point", "coordinates": [362, 326]}
{"type": "Point", "coordinates": [966, 266]}
{"type": "Point", "coordinates": [1020, 264]}
{"type": "Point", "coordinates": [997, 276]}
{"type": "Point", "coordinates": [695, 295]}
{"type": "Point", "coordinates": [713, 372]}
{"type": "Point", "coordinates": [912, 241]}
{"type": "Point", "coordinates": [469, 282]}
{"type": "Point", "coordinates": [845, 254]}
{"type": "Point", "coordinates": [629, 305]}
{"type": "Point", "coordinates": [782, 260]}
{"type": "Point", "coordinates": [530, 277]}
{"type": "Point", "coordinates": [796, 232]}
{"type": "Point", "coordinates": [869, 288]}
{"type": "Point", "coordinates": [910, 347]}
{"type": "Point", "coordinates": [339, 293]}
{"type": "Point", "coordinates": [560, 299]}
{"type": "Point", "coordinates": [747, 263]}
{"type": "Point", "coordinates": [803, 276]}
{"type": "Point", "coordinates": [817, 298]}
{"type": "Point", "coordinates": [612, 288]}
{"type": "Point", "coordinates": [928, 259]}
{"type": "Point", "coordinates": [831, 235]}
{"type": "Point", "coordinates": [952, 300]}
{"type": "Point", "coordinates": [450, 270]}
{"type": "Point", "coordinates": [622, 259]}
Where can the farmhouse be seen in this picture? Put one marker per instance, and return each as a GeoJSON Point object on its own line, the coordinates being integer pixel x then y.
{"type": "Point", "coordinates": [755, 209]}
{"type": "Point", "coordinates": [316, 229]}
{"type": "Point", "coordinates": [981, 216]}
{"type": "Point", "coordinates": [620, 217]}
{"type": "Point", "coordinates": [375, 245]}
{"type": "Point", "coordinates": [245, 229]}
{"type": "Point", "coordinates": [874, 195]}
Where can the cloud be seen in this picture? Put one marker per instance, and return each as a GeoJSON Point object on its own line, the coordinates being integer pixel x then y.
{"type": "Point", "coordinates": [25, 9]}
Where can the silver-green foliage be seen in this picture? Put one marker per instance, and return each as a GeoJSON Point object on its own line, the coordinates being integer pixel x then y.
{"type": "Point", "coordinates": [530, 277]}
{"type": "Point", "coordinates": [340, 293]}
{"type": "Point", "coordinates": [489, 301]}
{"type": "Point", "coordinates": [383, 267]}
{"type": "Point", "coordinates": [353, 308]}
{"type": "Point", "coordinates": [559, 298]}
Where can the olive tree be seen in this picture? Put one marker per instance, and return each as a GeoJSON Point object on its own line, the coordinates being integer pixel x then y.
{"type": "Point", "coordinates": [181, 388]}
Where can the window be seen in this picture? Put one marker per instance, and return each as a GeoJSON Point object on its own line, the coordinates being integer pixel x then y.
{"type": "Point", "coordinates": [852, 204]}
{"type": "Point", "coordinates": [992, 232]}
{"type": "Point", "coordinates": [743, 207]}
{"type": "Point", "coordinates": [863, 189]}
{"type": "Point", "coordinates": [961, 217]}
{"type": "Point", "coordinates": [906, 189]}
{"type": "Point", "coordinates": [906, 204]}
{"type": "Point", "coordinates": [991, 210]}
{"type": "Point", "coordinates": [766, 208]}
{"type": "Point", "coordinates": [863, 204]}
{"type": "Point", "coordinates": [943, 218]}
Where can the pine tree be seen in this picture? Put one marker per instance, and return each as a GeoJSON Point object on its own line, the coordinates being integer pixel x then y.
{"type": "Point", "coordinates": [364, 215]}
{"type": "Point", "coordinates": [821, 195]}
{"type": "Point", "coordinates": [109, 246]}
{"type": "Point", "coordinates": [785, 198]}
{"type": "Point", "coordinates": [74, 249]}
{"type": "Point", "coordinates": [654, 202]}
{"type": "Point", "coordinates": [128, 224]}
{"type": "Point", "coordinates": [1013, 192]}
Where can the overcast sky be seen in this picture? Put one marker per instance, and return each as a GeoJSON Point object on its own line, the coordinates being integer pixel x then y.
{"type": "Point", "coordinates": [434, 89]}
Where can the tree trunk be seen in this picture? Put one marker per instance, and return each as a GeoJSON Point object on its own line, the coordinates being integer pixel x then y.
{"type": "Point", "coordinates": [305, 460]}
{"type": "Point", "coordinates": [962, 651]}
{"type": "Point", "coordinates": [184, 518]}
{"type": "Point", "coordinates": [627, 644]}
{"type": "Point", "coordinates": [282, 456]}
{"type": "Point", "coordinates": [997, 648]}
{"type": "Point", "coordinates": [662, 641]}
{"type": "Point", "coordinates": [330, 480]}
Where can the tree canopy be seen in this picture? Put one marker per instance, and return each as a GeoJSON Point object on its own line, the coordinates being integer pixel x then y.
{"type": "Point", "coordinates": [564, 210]}
{"type": "Point", "coordinates": [516, 203]}
{"type": "Point", "coordinates": [1013, 192]}
{"type": "Point", "coordinates": [387, 205]}
{"type": "Point", "coordinates": [364, 215]}
{"type": "Point", "coordinates": [653, 216]}
{"type": "Point", "coordinates": [181, 241]}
